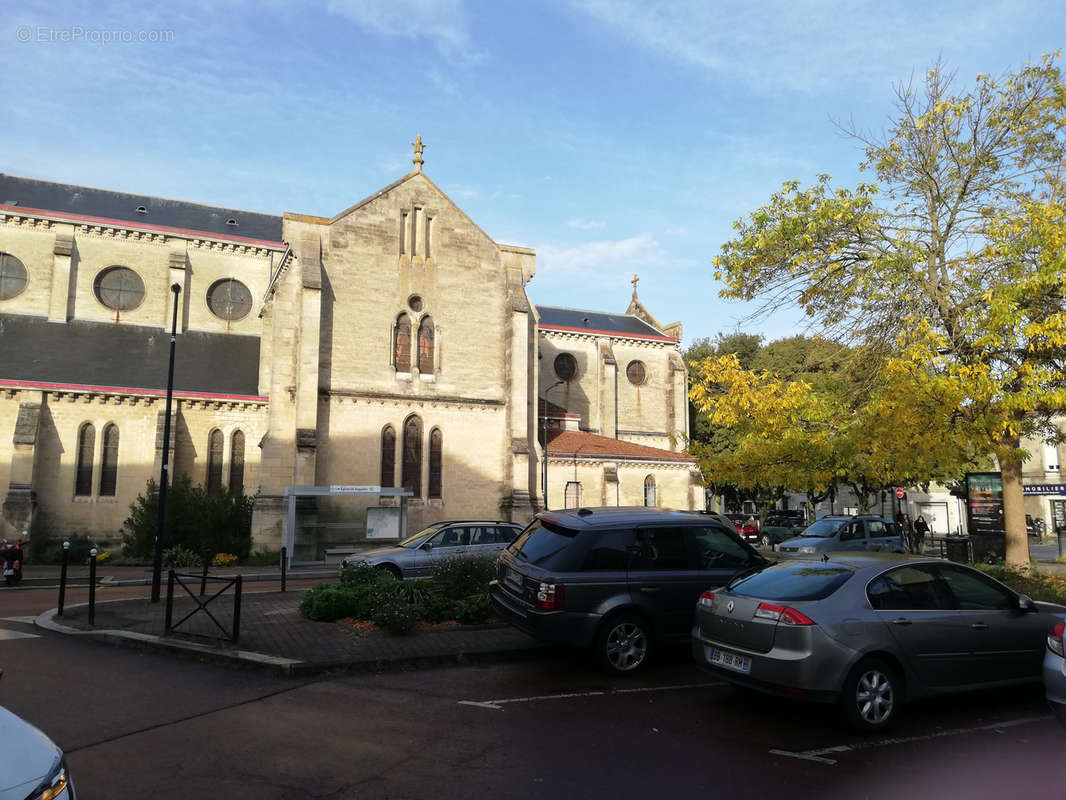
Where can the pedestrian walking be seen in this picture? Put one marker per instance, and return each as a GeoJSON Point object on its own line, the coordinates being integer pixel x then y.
{"type": "Point", "coordinates": [921, 528]}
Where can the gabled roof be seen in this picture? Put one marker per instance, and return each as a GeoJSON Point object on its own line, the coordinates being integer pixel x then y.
{"type": "Point", "coordinates": [578, 444]}
{"type": "Point", "coordinates": [101, 205]}
{"type": "Point", "coordinates": [597, 322]}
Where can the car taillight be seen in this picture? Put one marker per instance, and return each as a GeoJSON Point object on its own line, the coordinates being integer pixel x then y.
{"type": "Point", "coordinates": [1054, 640]}
{"type": "Point", "coordinates": [551, 596]}
{"type": "Point", "coordinates": [707, 599]}
{"type": "Point", "coordinates": [789, 616]}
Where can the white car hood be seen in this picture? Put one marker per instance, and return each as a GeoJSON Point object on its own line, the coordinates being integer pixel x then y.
{"type": "Point", "coordinates": [28, 757]}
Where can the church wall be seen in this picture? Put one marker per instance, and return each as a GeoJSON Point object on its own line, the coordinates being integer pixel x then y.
{"type": "Point", "coordinates": [206, 266]}
{"type": "Point", "coordinates": [645, 410]}
{"type": "Point", "coordinates": [581, 394]}
{"type": "Point", "coordinates": [9, 409]}
{"type": "Point", "coordinates": [672, 484]}
{"type": "Point", "coordinates": [33, 246]}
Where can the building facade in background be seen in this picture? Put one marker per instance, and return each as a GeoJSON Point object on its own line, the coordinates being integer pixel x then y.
{"type": "Point", "coordinates": [393, 344]}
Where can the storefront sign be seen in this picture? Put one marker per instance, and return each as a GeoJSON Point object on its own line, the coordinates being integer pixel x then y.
{"type": "Point", "coordinates": [1043, 488]}
{"type": "Point", "coordinates": [984, 508]}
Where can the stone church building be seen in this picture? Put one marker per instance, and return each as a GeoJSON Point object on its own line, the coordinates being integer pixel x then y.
{"type": "Point", "coordinates": [392, 345]}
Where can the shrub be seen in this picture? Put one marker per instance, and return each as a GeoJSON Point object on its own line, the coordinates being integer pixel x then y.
{"type": "Point", "coordinates": [178, 557]}
{"type": "Point", "coordinates": [395, 616]}
{"type": "Point", "coordinates": [359, 574]}
{"type": "Point", "coordinates": [101, 557]}
{"type": "Point", "coordinates": [473, 610]}
{"type": "Point", "coordinates": [435, 608]}
{"type": "Point", "coordinates": [328, 602]}
{"type": "Point", "coordinates": [458, 577]}
{"type": "Point", "coordinates": [1037, 585]}
{"type": "Point", "coordinates": [196, 519]}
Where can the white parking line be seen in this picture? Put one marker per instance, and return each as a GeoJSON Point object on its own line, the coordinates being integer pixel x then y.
{"type": "Point", "coordinates": [820, 754]}
{"type": "Point", "coordinates": [8, 634]}
{"type": "Point", "coordinates": [497, 705]}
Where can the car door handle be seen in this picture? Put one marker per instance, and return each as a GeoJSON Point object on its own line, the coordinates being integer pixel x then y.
{"type": "Point", "coordinates": [650, 589]}
{"type": "Point", "coordinates": [979, 626]}
{"type": "Point", "coordinates": [901, 621]}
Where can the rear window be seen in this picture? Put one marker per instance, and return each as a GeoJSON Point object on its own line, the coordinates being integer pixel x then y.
{"type": "Point", "coordinates": [540, 541]}
{"type": "Point", "coordinates": [825, 528]}
{"type": "Point", "coordinates": [796, 581]}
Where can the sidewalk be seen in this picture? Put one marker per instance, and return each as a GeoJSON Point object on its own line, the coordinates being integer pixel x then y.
{"type": "Point", "coordinates": [273, 634]}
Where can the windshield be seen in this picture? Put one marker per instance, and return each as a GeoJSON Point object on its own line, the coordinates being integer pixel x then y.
{"type": "Point", "coordinates": [417, 539]}
{"type": "Point", "coordinates": [825, 528]}
{"type": "Point", "coordinates": [792, 581]}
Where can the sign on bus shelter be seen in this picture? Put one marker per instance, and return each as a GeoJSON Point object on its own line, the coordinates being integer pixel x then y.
{"type": "Point", "coordinates": [984, 504]}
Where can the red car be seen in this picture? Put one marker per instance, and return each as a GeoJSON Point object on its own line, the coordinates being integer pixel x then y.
{"type": "Point", "coordinates": [747, 526]}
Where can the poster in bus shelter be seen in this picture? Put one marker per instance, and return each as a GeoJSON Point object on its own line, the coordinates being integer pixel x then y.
{"type": "Point", "coordinates": [984, 507]}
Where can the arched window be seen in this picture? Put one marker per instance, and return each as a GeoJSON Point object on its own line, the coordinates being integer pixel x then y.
{"type": "Point", "coordinates": [214, 461]}
{"type": "Point", "coordinates": [388, 457]}
{"type": "Point", "coordinates": [109, 469]}
{"type": "Point", "coordinates": [649, 491]}
{"type": "Point", "coordinates": [412, 455]}
{"type": "Point", "coordinates": [401, 345]}
{"type": "Point", "coordinates": [435, 443]}
{"type": "Point", "coordinates": [236, 463]}
{"type": "Point", "coordinates": [425, 346]}
{"type": "Point", "coordinates": [83, 482]}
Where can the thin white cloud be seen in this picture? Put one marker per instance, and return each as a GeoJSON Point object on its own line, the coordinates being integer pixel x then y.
{"type": "Point", "coordinates": [443, 22]}
{"type": "Point", "coordinates": [810, 46]}
{"type": "Point", "coordinates": [600, 257]}
{"type": "Point", "coordinates": [679, 231]}
{"type": "Point", "coordinates": [586, 224]}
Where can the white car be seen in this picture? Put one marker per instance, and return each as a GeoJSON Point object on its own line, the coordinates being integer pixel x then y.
{"type": "Point", "coordinates": [33, 767]}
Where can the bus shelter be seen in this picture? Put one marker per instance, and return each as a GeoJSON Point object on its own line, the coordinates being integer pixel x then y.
{"type": "Point", "coordinates": [323, 523]}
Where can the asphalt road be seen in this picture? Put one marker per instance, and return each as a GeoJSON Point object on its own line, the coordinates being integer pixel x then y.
{"type": "Point", "coordinates": [146, 725]}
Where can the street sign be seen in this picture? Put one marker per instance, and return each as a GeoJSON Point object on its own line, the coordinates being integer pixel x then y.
{"type": "Point", "coordinates": [355, 490]}
{"type": "Point", "coordinates": [899, 494]}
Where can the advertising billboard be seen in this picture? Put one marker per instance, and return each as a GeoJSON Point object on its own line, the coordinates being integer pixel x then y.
{"type": "Point", "coordinates": [984, 507]}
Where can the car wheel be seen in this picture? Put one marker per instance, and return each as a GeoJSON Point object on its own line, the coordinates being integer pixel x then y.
{"type": "Point", "coordinates": [392, 570]}
{"type": "Point", "coordinates": [623, 644]}
{"type": "Point", "coordinates": [872, 694]}
{"type": "Point", "coordinates": [766, 540]}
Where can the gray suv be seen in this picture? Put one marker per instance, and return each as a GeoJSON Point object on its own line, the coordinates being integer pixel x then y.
{"type": "Point", "coordinates": [617, 580]}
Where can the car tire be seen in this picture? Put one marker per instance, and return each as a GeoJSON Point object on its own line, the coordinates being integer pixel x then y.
{"type": "Point", "coordinates": [623, 644]}
{"type": "Point", "coordinates": [872, 695]}
{"type": "Point", "coordinates": [392, 570]}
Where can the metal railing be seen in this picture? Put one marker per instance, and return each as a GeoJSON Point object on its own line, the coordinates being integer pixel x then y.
{"type": "Point", "coordinates": [231, 635]}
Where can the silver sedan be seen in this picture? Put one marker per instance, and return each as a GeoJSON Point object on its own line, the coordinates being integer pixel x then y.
{"type": "Point", "coordinates": [415, 556]}
{"type": "Point", "coordinates": [869, 631]}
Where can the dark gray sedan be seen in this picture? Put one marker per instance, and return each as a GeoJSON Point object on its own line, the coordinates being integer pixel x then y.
{"type": "Point", "coordinates": [869, 631]}
{"type": "Point", "coordinates": [415, 556]}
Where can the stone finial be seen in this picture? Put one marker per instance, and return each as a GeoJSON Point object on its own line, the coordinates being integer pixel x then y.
{"type": "Point", "coordinates": [634, 282]}
{"type": "Point", "coordinates": [419, 147]}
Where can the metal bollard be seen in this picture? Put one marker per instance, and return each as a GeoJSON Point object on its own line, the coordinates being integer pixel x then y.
{"type": "Point", "coordinates": [63, 579]}
{"type": "Point", "coordinates": [237, 609]}
{"type": "Point", "coordinates": [203, 579]}
{"type": "Point", "coordinates": [284, 562]}
{"type": "Point", "coordinates": [170, 603]}
{"type": "Point", "coordinates": [1058, 537]}
{"type": "Point", "coordinates": [92, 587]}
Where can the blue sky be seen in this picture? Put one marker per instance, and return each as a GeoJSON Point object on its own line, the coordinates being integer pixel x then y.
{"type": "Point", "coordinates": [616, 137]}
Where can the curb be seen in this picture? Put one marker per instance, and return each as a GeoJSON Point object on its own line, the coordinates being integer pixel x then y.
{"type": "Point", "coordinates": [286, 666]}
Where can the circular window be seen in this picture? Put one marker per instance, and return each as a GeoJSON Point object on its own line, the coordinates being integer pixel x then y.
{"type": "Point", "coordinates": [119, 288]}
{"type": "Point", "coordinates": [565, 366]}
{"type": "Point", "coordinates": [636, 373]}
{"type": "Point", "coordinates": [12, 276]}
{"type": "Point", "coordinates": [229, 299]}
{"type": "Point", "coordinates": [415, 302]}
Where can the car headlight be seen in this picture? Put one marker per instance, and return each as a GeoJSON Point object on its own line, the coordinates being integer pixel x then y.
{"type": "Point", "coordinates": [54, 785]}
{"type": "Point", "coordinates": [808, 550]}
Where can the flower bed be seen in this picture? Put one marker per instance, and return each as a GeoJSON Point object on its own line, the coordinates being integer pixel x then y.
{"type": "Point", "coordinates": [457, 591]}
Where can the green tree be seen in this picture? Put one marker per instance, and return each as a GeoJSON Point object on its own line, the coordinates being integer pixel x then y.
{"type": "Point", "coordinates": [949, 269]}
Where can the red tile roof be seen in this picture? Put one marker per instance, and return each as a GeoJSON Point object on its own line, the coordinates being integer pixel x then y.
{"type": "Point", "coordinates": [578, 444]}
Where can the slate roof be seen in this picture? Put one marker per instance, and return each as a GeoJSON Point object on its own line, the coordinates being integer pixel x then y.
{"type": "Point", "coordinates": [573, 319]}
{"type": "Point", "coordinates": [103, 354]}
{"type": "Point", "coordinates": [579, 444]}
{"type": "Point", "coordinates": [103, 204]}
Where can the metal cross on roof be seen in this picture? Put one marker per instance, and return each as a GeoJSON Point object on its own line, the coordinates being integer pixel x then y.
{"type": "Point", "coordinates": [634, 282]}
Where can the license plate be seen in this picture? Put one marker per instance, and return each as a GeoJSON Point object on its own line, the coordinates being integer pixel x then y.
{"type": "Point", "coordinates": [513, 579]}
{"type": "Point", "coordinates": [731, 660]}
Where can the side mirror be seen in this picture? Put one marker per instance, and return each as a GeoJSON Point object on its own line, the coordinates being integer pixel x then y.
{"type": "Point", "coordinates": [427, 546]}
{"type": "Point", "coordinates": [1025, 603]}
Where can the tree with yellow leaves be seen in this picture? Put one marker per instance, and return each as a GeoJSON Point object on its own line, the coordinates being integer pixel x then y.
{"type": "Point", "coordinates": [949, 270]}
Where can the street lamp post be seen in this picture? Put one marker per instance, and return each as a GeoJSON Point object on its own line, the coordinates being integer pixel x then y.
{"type": "Point", "coordinates": [545, 426]}
{"type": "Point", "coordinates": [157, 564]}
